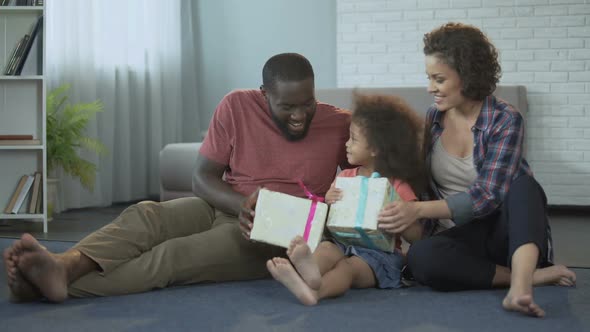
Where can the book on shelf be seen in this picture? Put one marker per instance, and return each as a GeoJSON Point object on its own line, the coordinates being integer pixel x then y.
{"type": "Point", "coordinates": [15, 137]}
{"type": "Point", "coordinates": [23, 194]}
{"type": "Point", "coordinates": [17, 191]}
{"type": "Point", "coordinates": [35, 31]}
{"type": "Point", "coordinates": [22, 50]}
{"type": "Point", "coordinates": [21, 2]}
{"type": "Point", "coordinates": [38, 206]}
{"type": "Point", "coordinates": [35, 193]}
{"type": "Point", "coordinates": [24, 3]}
{"type": "Point", "coordinates": [11, 69]}
{"type": "Point", "coordinates": [19, 195]}
{"type": "Point", "coordinates": [13, 57]}
{"type": "Point", "coordinates": [20, 142]}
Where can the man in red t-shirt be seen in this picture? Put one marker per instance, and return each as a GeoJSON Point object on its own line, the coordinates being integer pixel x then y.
{"type": "Point", "coordinates": [270, 137]}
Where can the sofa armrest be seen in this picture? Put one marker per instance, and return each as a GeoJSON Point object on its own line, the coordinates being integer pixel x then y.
{"type": "Point", "coordinates": [177, 163]}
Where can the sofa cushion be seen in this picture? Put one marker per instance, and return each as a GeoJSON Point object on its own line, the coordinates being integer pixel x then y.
{"type": "Point", "coordinates": [177, 162]}
{"type": "Point", "coordinates": [417, 97]}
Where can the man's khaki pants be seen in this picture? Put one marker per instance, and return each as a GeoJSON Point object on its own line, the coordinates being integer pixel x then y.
{"type": "Point", "coordinates": [155, 245]}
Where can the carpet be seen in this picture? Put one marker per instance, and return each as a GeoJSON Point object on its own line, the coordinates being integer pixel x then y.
{"type": "Point", "coordinates": [264, 305]}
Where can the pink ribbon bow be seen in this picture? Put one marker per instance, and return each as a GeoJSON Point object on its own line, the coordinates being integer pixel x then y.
{"type": "Point", "coordinates": [314, 202]}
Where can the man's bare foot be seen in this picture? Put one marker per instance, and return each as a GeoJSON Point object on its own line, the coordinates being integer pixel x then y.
{"type": "Point", "coordinates": [554, 275]}
{"type": "Point", "coordinates": [43, 270]}
{"type": "Point", "coordinates": [522, 303]}
{"type": "Point", "coordinates": [21, 290]}
{"type": "Point", "coordinates": [282, 270]}
{"type": "Point", "coordinates": [302, 259]}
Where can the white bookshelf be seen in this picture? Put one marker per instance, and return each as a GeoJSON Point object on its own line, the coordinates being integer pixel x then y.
{"type": "Point", "coordinates": [21, 78]}
{"type": "Point", "coordinates": [23, 9]}
{"type": "Point", "coordinates": [22, 110]}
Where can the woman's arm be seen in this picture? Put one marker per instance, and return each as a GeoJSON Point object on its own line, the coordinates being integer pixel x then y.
{"type": "Point", "coordinates": [425, 210]}
{"type": "Point", "coordinates": [498, 157]}
{"type": "Point", "coordinates": [397, 216]}
{"type": "Point", "coordinates": [500, 162]}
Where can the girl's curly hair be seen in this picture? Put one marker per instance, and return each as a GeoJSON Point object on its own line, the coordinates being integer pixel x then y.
{"type": "Point", "coordinates": [468, 51]}
{"type": "Point", "coordinates": [394, 131]}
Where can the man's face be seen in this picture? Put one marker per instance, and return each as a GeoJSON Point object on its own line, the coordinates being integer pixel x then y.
{"type": "Point", "coordinates": [292, 105]}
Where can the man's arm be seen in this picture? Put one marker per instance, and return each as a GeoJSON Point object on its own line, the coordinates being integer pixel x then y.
{"type": "Point", "coordinates": [209, 185]}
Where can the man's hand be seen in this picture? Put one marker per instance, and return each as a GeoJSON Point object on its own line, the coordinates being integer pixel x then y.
{"type": "Point", "coordinates": [333, 195]}
{"type": "Point", "coordinates": [246, 215]}
{"type": "Point", "coordinates": [397, 216]}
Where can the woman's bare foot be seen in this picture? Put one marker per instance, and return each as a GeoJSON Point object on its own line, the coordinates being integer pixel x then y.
{"type": "Point", "coordinates": [522, 303]}
{"type": "Point", "coordinates": [302, 259]}
{"type": "Point", "coordinates": [282, 270]}
{"type": "Point", "coordinates": [554, 275]}
{"type": "Point", "coordinates": [43, 270]}
{"type": "Point", "coordinates": [21, 290]}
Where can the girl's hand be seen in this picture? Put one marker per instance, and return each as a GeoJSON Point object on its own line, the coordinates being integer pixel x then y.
{"type": "Point", "coordinates": [397, 216]}
{"type": "Point", "coordinates": [333, 195]}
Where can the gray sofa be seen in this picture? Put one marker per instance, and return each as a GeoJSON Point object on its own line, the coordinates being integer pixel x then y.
{"type": "Point", "coordinates": [177, 160]}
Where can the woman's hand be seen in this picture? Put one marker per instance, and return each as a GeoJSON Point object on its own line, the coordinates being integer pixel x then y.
{"type": "Point", "coordinates": [397, 216]}
{"type": "Point", "coordinates": [333, 195]}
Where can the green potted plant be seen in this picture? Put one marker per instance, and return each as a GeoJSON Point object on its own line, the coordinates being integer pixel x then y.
{"type": "Point", "coordinates": [66, 124]}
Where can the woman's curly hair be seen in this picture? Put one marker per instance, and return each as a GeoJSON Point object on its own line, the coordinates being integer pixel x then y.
{"type": "Point", "coordinates": [468, 51]}
{"type": "Point", "coordinates": [394, 131]}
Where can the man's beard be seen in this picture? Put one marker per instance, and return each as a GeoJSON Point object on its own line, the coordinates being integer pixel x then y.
{"type": "Point", "coordinates": [283, 127]}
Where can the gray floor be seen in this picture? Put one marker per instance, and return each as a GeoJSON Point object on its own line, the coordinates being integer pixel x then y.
{"type": "Point", "coordinates": [264, 305]}
{"type": "Point", "coordinates": [571, 230]}
{"type": "Point", "coordinates": [72, 225]}
{"type": "Point", "coordinates": [571, 238]}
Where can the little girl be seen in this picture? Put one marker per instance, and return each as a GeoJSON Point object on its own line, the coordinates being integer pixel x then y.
{"type": "Point", "coordinates": [384, 138]}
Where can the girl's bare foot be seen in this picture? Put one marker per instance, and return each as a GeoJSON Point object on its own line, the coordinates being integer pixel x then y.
{"type": "Point", "coordinates": [554, 275]}
{"type": "Point", "coordinates": [282, 270]}
{"type": "Point", "coordinates": [522, 303]}
{"type": "Point", "coordinates": [43, 270]}
{"type": "Point", "coordinates": [21, 290]}
{"type": "Point", "coordinates": [302, 259]}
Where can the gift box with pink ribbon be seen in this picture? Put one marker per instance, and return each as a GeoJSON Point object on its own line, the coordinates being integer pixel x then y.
{"type": "Point", "coordinates": [353, 219]}
{"type": "Point", "coordinates": [280, 217]}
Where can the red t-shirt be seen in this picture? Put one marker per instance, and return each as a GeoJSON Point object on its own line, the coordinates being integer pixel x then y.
{"type": "Point", "coordinates": [243, 136]}
{"type": "Point", "coordinates": [403, 189]}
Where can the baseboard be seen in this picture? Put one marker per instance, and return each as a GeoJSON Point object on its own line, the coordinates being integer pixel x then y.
{"type": "Point", "coordinates": [573, 210]}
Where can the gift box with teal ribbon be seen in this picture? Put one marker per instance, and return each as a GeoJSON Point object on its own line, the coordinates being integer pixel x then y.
{"type": "Point", "coordinates": [280, 217]}
{"type": "Point", "coordinates": [353, 219]}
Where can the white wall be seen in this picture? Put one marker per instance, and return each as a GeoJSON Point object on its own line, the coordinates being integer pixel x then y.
{"type": "Point", "coordinates": [236, 38]}
{"type": "Point", "coordinates": [544, 45]}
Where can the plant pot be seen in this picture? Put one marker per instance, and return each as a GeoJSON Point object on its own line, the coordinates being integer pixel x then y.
{"type": "Point", "coordinates": [53, 197]}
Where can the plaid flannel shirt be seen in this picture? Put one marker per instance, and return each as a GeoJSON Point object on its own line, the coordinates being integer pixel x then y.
{"type": "Point", "coordinates": [497, 156]}
{"type": "Point", "coordinates": [498, 137]}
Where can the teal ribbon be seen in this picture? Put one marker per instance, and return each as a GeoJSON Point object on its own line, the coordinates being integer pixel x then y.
{"type": "Point", "coordinates": [366, 239]}
{"type": "Point", "coordinates": [360, 212]}
{"type": "Point", "coordinates": [356, 236]}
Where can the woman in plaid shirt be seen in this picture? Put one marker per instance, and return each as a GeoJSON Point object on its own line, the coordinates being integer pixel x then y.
{"type": "Point", "coordinates": [491, 227]}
